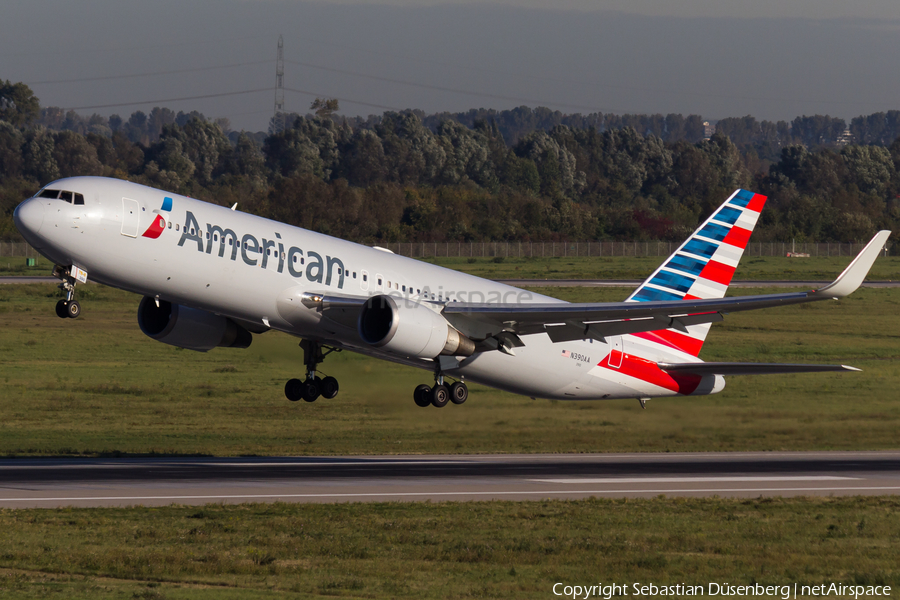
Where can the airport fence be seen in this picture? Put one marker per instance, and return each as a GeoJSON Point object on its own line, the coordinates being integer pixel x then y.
{"type": "Point", "coordinates": [17, 250]}
{"type": "Point", "coordinates": [550, 249]}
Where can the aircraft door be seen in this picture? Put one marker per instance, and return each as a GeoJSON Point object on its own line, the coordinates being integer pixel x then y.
{"type": "Point", "coordinates": [615, 351]}
{"type": "Point", "coordinates": [131, 217]}
{"type": "Point", "coordinates": [364, 281]}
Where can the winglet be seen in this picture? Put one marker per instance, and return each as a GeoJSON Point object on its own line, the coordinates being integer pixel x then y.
{"type": "Point", "coordinates": [848, 281]}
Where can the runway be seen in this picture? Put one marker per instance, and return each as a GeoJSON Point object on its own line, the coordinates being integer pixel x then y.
{"type": "Point", "coordinates": [194, 481]}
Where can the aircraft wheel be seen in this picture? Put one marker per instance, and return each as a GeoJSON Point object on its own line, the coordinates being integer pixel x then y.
{"type": "Point", "coordinates": [293, 389]}
{"type": "Point", "coordinates": [422, 395]}
{"type": "Point", "coordinates": [62, 309]}
{"type": "Point", "coordinates": [311, 389]}
{"type": "Point", "coordinates": [440, 396]}
{"type": "Point", "coordinates": [459, 393]}
{"type": "Point", "coordinates": [73, 309]}
{"type": "Point", "coordinates": [329, 387]}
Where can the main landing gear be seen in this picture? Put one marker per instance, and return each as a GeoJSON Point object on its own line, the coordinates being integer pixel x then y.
{"type": "Point", "coordinates": [313, 386]}
{"type": "Point", "coordinates": [440, 394]}
{"type": "Point", "coordinates": [69, 307]}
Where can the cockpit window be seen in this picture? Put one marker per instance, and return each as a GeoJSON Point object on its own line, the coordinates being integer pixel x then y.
{"type": "Point", "coordinates": [70, 197]}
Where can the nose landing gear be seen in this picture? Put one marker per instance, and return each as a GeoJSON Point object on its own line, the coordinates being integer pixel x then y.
{"type": "Point", "coordinates": [69, 308]}
{"type": "Point", "coordinates": [313, 386]}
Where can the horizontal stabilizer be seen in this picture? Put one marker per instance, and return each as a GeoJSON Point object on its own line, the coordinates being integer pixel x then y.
{"type": "Point", "coordinates": [734, 368]}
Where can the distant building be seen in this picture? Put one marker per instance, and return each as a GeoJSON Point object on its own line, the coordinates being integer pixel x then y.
{"type": "Point", "coordinates": [845, 138]}
{"type": "Point", "coordinates": [708, 130]}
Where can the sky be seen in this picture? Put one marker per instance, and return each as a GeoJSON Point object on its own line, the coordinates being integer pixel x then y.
{"type": "Point", "coordinates": [773, 59]}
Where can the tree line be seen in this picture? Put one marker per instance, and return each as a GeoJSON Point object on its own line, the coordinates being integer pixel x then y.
{"type": "Point", "coordinates": [518, 175]}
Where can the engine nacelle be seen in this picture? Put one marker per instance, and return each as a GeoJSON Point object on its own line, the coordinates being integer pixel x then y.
{"type": "Point", "coordinates": [410, 329]}
{"type": "Point", "coordinates": [189, 328]}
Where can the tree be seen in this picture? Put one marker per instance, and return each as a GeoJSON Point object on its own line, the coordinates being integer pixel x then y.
{"type": "Point", "coordinates": [157, 120]}
{"type": "Point", "coordinates": [324, 107]}
{"type": "Point", "coordinates": [11, 141]}
{"type": "Point", "coordinates": [818, 130]}
{"type": "Point", "coordinates": [74, 155]}
{"type": "Point", "coordinates": [37, 155]}
{"type": "Point", "coordinates": [18, 104]}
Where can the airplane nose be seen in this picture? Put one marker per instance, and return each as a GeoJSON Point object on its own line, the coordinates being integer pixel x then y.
{"type": "Point", "coordinates": [29, 216]}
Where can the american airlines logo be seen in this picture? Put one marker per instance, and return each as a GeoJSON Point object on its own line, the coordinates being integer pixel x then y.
{"type": "Point", "coordinates": [159, 223]}
{"type": "Point", "coordinates": [317, 269]}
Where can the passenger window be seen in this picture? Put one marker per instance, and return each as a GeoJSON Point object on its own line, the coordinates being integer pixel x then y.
{"type": "Point", "coordinates": [365, 277]}
{"type": "Point", "coordinates": [170, 224]}
{"type": "Point", "coordinates": [404, 288]}
{"type": "Point", "coordinates": [177, 227]}
{"type": "Point", "coordinates": [49, 194]}
{"type": "Point", "coordinates": [67, 196]}
{"type": "Point", "coordinates": [79, 199]}
{"type": "Point", "coordinates": [215, 237]}
{"type": "Point", "coordinates": [354, 274]}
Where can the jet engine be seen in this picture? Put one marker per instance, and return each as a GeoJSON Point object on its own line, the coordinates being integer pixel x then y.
{"type": "Point", "coordinates": [409, 328]}
{"type": "Point", "coordinates": [189, 328]}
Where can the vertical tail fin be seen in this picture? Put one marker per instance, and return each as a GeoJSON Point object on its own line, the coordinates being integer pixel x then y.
{"type": "Point", "coordinates": [702, 267]}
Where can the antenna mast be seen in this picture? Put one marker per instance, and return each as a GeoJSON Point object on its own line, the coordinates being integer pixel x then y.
{"type": "Point", "coordinates": [278, 120]}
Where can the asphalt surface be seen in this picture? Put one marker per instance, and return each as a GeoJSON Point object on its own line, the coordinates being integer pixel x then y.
{"type": "Point", "coordinates": [162, 481]}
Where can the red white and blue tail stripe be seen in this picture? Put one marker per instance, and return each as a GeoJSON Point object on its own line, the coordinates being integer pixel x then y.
{"type": "Point", "coordinates": [703, 266]}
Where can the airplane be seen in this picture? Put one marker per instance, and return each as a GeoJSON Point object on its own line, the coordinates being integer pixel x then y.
{"type": "Point", "coordinates": [212, 277]}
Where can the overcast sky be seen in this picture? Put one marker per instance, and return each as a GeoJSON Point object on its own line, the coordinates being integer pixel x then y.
{"type": "Point", "coordinates": [774, 59]}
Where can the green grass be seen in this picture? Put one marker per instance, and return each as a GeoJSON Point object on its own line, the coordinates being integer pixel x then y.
{"type": "Point", "coordinates": [445, 550]}
{"type": "Point", "coordinates": [17, 265]}
{"type": "Point", "coordinates": [98, 386]}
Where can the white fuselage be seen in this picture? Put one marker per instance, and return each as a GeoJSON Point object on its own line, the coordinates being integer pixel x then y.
{"type": "Point", "coordinates": [253, 270]}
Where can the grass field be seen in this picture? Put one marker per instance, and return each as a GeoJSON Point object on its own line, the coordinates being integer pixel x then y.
{"type": "Point", "coordinates": [445, 550]}
{"type": "Point", "coordinates": [98, 386]}
{"type": "Point", "coordinates": [620, 267]}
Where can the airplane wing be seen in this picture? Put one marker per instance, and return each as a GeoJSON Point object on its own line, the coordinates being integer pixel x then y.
{"type": "Point", "coordinates": [564, 321]}
{"type": "Point", "coordinates": [731, 368]}
{"type": "Point", "coordinates": [500, 325]}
